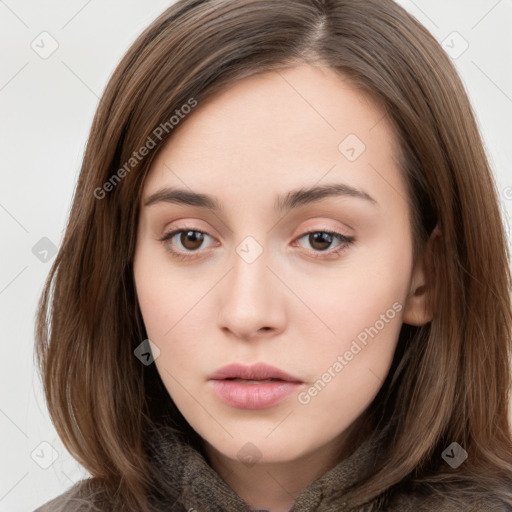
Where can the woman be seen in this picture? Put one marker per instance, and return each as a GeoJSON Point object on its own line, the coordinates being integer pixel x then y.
{"type": "Point", "coordinates": [284, 284]}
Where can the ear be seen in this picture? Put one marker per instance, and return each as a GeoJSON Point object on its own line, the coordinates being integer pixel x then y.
{"type": "Point", "coordinates": [418, 310]}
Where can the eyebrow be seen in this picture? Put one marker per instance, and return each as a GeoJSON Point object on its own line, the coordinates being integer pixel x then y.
{"type": "Point", "coordinates": [290, 200]}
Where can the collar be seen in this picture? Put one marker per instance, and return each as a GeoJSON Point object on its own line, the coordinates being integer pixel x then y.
{"type": "Point", "coordinates": [183, 475]}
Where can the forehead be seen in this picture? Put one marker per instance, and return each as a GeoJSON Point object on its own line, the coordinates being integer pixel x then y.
{"type": "Point", "coordinates": [276, 131]}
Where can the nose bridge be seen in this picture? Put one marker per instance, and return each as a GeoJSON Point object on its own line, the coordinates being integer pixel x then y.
{"type": "Point", "coordinates": [250, 276]}
{"type": "Point", "coordinates": [250, 301]}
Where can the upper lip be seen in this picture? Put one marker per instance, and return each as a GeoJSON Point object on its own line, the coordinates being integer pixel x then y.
{"type": "Point", "coordinates": [258, 371]}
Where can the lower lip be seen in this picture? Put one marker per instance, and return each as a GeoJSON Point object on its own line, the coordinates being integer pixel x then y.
{"type": "Point", "coordinates": [253, 395]}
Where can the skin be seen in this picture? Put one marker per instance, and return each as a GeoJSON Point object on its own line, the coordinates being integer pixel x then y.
{"type": "Point", "coordinates": [293, 307]}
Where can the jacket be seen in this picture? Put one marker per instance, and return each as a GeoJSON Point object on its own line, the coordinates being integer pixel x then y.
{"type": "Point", "coordinates": [188, 483]}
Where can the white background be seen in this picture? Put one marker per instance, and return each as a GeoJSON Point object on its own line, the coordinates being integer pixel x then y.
{"type": "Point", "coordinates": [47, 108]}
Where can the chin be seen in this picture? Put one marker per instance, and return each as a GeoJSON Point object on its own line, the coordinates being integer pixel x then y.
{"type": "Point", "coordinates": [259, 449]}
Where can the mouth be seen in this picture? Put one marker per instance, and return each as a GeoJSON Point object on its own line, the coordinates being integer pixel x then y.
{"type": "Point", "coordinates": [257, 372]}
{"type": "Point", "coordinates": [259, 386]}
{"type": "Point", "coordinates": [253, 381]}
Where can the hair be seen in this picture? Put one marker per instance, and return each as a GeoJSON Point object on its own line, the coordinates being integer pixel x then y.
{"type": "Point", "coordinates": [453, 374]}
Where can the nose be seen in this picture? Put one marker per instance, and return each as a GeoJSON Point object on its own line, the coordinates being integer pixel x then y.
{"type": "Point", "coordinates": [251, 301]}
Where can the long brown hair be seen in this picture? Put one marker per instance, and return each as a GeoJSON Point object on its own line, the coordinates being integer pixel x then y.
{"type": "Point", "coordinates": [450, 379]}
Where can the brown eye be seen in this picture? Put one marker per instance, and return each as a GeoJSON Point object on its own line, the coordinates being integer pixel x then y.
{"type": "Point", "coordinates": [191, 240]}
{"type": "Point", "coordinates": [184, 243]}
{"type": "Point", "coordinates": [320, 240]}
{"type": "Point", "coordinates": [320, 243]}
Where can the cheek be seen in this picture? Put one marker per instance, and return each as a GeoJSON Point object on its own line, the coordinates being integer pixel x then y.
{"type": "Point", "coordinates": [368, 293]}
{"type": "Point", "coordinates": [347, 369]}
{"type": "Point", "coordinates": [164, 294]}
{"type": "Point", "coordinates": [361, 310]}
{"type": "Point", "coordinates": [174, 309]}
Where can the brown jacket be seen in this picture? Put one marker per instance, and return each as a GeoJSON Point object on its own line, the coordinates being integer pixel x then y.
{"type": "Point", "coordinates": [189, 484]}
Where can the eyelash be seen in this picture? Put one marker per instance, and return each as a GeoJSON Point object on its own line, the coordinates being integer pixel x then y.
{"type": "Point", "coordinates": [346, 241]}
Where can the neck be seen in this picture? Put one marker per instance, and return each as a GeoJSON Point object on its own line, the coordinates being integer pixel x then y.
{"type": "Point", "coordinates": [275, 485]}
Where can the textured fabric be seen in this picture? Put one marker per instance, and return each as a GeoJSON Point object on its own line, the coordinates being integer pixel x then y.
{"type": "Point", "coordinates": [199, 482]}
{"type": "Point", "coordinates": [187, 483]}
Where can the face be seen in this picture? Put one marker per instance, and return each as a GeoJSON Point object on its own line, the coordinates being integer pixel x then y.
{"type": "Point", "coordinates": [316, 284]}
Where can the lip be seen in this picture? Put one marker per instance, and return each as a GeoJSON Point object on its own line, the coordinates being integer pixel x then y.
{"type": "Point", "coordinates": [258, 371]}
{"type": "Point", "coordinates": [252, 394]}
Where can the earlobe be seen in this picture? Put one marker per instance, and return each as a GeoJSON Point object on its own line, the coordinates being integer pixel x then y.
{"type": "Point", "coordinates": [418, 309]}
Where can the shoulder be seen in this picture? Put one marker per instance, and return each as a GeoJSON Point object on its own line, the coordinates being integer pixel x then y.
{"type": "Point", "coordinates": [445, 503]}
{"type": "Point", "coordinates": [81, 497]}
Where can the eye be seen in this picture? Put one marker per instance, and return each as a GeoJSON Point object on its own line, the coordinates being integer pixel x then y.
{"type": "Point", "coordinates": [320, 240]}
{"type": "Point", "coordinates": [192, 239]}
